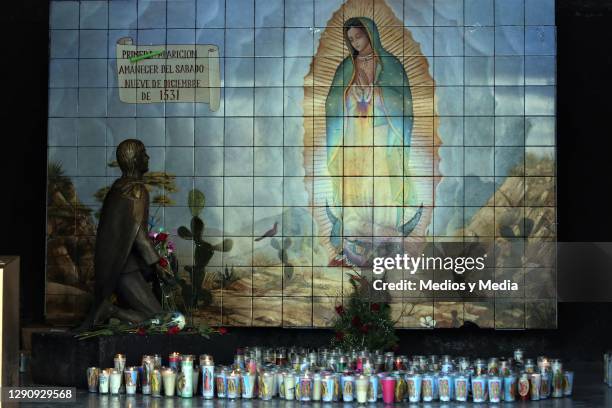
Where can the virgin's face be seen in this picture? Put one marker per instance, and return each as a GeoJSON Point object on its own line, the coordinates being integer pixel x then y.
{"type": "Point", "coordinates": [358, 38]}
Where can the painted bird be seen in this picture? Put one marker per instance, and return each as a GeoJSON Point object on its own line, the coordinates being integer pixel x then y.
{"type": "Point", "coordinates": [269, 233]}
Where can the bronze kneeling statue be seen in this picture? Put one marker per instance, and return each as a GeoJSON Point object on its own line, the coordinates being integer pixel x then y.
{"type": "Point", "coordinates": [124, 255]}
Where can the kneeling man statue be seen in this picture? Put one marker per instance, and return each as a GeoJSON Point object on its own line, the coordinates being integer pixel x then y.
{"type": "Point", "coordinates": [124, 255]}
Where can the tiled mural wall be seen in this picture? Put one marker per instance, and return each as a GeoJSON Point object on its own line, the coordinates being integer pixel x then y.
{"type": "Point", "coordinates": [453, 140]}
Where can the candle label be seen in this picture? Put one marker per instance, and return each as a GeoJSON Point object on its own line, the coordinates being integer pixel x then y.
{"type": "Point", "coordinates": [461, 389]}
{"type": "Point", "coordinates": [444, 386]}
{"type": "Point", "coordinates": [568, 382]}
{"type": "Point", "coordinates": [347, 388]}
{"type": "Point", "coordinates": [373, 389]}
{"type": "Point", "coordinates": [266, 386]}
{"type": "Point", "coordinates": [478, 390]}
{"type": "Point", "coordinates": [281, 386]}
{"type": "Point", "coordinates": [509, 388]}
{"type": "Point", "coordinates": [494, 390]}
{"type": "Point", "coordinates": [427, 388]}
{"type": "Point", "coordinates": [523, 386]}
{"type": "Point", "coordinates": [221, 385]}
{"type": "Point", "coordinates": [305, 389]}
{"type": "Point", "coordinates": [233, 387]}
{"type": "Point", "coordinates": [103, 382]}
{"type": "Point", "coordinates": [298, 395]}
{"type": "Point", "coordinates": [545, 386]}
{"type": "Point", "coordinates": [156, 383]}
{"type": "Point", "coordinates": [400, 389]}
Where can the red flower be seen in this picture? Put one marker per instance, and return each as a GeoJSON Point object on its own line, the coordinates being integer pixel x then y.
{"type": "Point", "coordinates": [163, 262]}
{"type": "Point", "coordinates": [173, 330]}
{"type": "Point", "coordinates": [375, 307]}
{"type": "Point", "coordinates": [222, 330]}
{"type": "Point", "coordinates": [141, 331]}
{"type": "Point", "coordinates": [339, 336]}
{"type": "Point", "coordinates": [364, 329]}
{"type": "Point", "coordinates": [356, 322]}
{"type": "Point", "coordinates": [340, 310]}
{"type": "Point", "coordinates": [161, 237]}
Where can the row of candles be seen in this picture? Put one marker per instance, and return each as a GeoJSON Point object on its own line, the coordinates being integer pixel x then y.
{"type": "Point", "coordinates": [330, 375]}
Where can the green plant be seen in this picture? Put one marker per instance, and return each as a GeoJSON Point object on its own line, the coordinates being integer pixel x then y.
{"type": "Point", "coordinates": [62, 200]}
{"type": "Point", "coordinates": [363, 323]}
{"type": "Point", "coordinates": [228, 277]}
{"type": "Point", "coordinates": [159, 183]}
{"type": "Point", "coordinates": [192, 290]}
{"type": "Point", "coordinates": [56, 179]}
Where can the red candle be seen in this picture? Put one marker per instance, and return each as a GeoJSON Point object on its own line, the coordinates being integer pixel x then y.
{"type": "Point", "coordinates": [388, 389]}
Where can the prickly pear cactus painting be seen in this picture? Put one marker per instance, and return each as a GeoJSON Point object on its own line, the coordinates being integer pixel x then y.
{"type": "Point", "coordinates": [195, 294]}
{"type": "Point", "coordinates": [347, 131]}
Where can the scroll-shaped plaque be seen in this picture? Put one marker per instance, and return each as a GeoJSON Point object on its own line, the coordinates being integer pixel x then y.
{"type": "Point", "coordinates": [172, 73]}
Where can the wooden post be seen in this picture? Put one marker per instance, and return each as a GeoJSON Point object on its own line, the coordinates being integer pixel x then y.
{"type": "Point", "coordinates": [9, 321]}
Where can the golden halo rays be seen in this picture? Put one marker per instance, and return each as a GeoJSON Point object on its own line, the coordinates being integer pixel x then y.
{"type": "Point", "coordinates": [398, 41]}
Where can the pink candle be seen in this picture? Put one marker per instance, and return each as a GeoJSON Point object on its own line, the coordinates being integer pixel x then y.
{"type": "Point", "coordinates": [359, 364]}
{"type": "Point", "coordinates": [388, 390]}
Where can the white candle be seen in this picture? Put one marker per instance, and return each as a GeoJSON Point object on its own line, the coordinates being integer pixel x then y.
{"type": "Point", "coordinates": [361, 384]}
{"type": "Point", "coordinates": [169, 380]}
{"type": "Point", "coordinates": [115, 382]}
{"type": "Point", "coordinates": [103, 381]}
{"type": "Point", "coordinates": [289, 381]}
{"type": "Point", "coordinates": [131, 376]}
{"type": "Point", "coordinates": [316, 387]}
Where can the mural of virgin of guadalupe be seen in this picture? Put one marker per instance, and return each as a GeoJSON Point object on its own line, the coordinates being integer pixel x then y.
{"type": "Point", "coordinates": [369, 105]}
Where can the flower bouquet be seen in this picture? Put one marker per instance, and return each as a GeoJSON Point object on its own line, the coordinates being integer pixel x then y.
{"type": "Point", "coordinates": [165, 248]}
{"type": "Point", "coordinates": [169, 323]}
{"type": "Point", "coordinates": [363, 323]}
{"type": "Point", "coordinates": [167, 267]}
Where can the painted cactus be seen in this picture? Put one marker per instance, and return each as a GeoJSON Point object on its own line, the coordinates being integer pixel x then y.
{"type": "Point", "coordinates": [193, 292]}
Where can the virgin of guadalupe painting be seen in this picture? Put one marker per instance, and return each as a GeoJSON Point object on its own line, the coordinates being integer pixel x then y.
{"type": "Point", "coordinates": [378, 191]}
{"type": "Point", "coordinates": [369, 104]}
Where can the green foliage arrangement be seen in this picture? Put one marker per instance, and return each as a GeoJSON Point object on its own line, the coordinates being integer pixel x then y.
{"type": "Point", "coordinates": [159, 183]}
{"type": "Point", "coordinates": [363, 323]}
